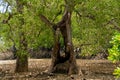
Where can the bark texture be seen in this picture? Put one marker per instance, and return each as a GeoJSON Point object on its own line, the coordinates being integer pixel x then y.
{"type": "Point", "coordinates": [22, 64]}
{"type": "Point", "coordinates": [66, 63]}
{"type": "Point", "coordinates": [22, 55]}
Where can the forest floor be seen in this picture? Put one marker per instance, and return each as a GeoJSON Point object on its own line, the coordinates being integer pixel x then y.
{"type": "Point", "coordinates": [91, 70]}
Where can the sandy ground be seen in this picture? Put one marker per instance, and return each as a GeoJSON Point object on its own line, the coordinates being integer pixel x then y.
{"type": "Point", "coordinates": [91, 69]}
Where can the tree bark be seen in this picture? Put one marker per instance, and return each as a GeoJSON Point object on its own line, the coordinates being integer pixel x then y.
{"type": "Point", "coordinates": [22, 55]}
{"type": "Point", "coordinates": [67, 63]}
{"type": "Point", "coordinates": [22, 64]}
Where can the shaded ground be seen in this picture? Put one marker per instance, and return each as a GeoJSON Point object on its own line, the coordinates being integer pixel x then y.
{"type": "Point", "coordinates": [46, 53]}
{"type": "Point", "coordinates": [91, 69]}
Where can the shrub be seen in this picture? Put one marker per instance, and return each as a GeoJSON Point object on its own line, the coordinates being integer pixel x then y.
{"type": "Point", "coordinates": [114, 52]}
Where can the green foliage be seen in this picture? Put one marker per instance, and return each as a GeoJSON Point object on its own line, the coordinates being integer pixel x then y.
{"type": "Point", "coordinates": [117, 72]}
{"type": "Point", "coordinates": [36, 33]}
{"type": "Point", "coordinates": [89, 23]}
{"type": "Point", "coordinates": [93, 22]}
{"type": "Point", "coordinates": [114, 52]}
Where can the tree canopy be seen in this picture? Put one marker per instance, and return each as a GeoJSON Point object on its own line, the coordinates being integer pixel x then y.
{"type": "Point", "coordinates": [93, 22]}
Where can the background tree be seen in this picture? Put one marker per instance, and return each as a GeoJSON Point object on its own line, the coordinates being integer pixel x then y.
{"type": "Point", "coordinates": [24, 30]}
{"type": "Point", "coordinates": [92, 25]}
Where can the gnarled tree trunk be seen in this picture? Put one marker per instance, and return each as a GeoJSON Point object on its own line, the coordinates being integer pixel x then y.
{"type": "Point", "coordinates": [65, 63]}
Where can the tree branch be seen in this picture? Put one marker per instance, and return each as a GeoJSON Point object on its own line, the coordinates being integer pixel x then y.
{"type": "Point", "coordinates": [57, 15]}
{"type": "Point", "coordinates": [88, 16]}
{"type": "Point", "coordinates": [112, 22]}
{"type": "Point", "coordinates": [6, 8]}
{"type": "Point", "coordinates": [61, 23]}
{"type": "Point", "coordinates": [45, 20]}
{"type": "Point", "coordinates": [9, 17]}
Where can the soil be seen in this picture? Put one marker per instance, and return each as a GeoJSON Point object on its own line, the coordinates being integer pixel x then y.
{"type": "Point", "coordinates": [88, 70]}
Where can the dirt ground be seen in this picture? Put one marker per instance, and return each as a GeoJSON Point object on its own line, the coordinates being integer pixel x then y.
{"type": "Point", "coordinates": [91, 70]}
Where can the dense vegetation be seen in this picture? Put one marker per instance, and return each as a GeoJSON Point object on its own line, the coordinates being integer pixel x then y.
{"type": "Point", "coordinates": [114, 52]}
{"type": "Point", "coordinates": [94, 22]}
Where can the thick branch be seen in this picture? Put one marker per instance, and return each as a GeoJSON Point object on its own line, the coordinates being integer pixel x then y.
{"type": "Point", "coordinates": [5, 21]}
{"type": "Point", "coordinates": [62, 22]}
{"type": "Point", "coordinates": [57, 15]}
{"type": "Point", "coordinates": [45, 20]}
{"type": "Point", "coordinates": [49, 23]}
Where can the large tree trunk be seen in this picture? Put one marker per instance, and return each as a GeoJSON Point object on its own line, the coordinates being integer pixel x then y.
{"type": "Point", "coordinates": [22, 54]}
{"type": "Point", "coordinates": [22, 64]}
{"type": "Point", "coordinates": [65, 63]}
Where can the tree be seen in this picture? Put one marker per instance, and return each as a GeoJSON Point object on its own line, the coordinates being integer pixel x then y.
{"type": "Point", "coordinates": [23, 30]}
{"type": "Point", "coordinates": [22, 55]}
{"type": "Point", "coordinates": [94, 22]}
{"type": "Point", "coordinates": [67, 62]}
{"type": "Point", "coordinates": [14, 25]}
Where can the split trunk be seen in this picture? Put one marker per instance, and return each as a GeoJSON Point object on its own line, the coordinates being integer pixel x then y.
{"type": "Point", "coordinates": [64, 62]}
